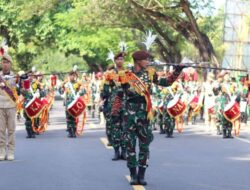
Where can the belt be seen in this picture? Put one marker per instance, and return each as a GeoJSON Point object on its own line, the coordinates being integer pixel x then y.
{"type": "Point", "coordinates": [137, 100]}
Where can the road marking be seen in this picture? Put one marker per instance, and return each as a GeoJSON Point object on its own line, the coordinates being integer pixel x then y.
{"type": "Point", "coordinates": [135, 187]}
{"type": "Point", "coordinates": [105, 142]}
{"type": "Point", "coordinates": [243, 140]}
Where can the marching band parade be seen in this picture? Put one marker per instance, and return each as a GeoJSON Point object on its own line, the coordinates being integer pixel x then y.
{"type": "Point", "coordinates": [133, 100]}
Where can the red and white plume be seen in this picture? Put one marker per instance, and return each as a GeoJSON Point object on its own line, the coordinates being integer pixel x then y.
{"type": "Point", "coordinates": [4, 48]}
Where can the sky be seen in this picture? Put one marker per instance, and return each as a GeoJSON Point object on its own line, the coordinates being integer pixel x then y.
{"type": "Point", "coordinates": [219, 3]}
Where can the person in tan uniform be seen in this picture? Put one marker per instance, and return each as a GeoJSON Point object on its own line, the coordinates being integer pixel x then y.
{"type": "Point", "coordinates": [7, 110]}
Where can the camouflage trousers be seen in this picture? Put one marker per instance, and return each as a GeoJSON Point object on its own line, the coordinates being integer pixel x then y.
{"type": "Point", "coordinates": [108, 126]}
{"type": "Point", "coordinates": [160, 120]}
{"type": "Point", "coordinates": [169, 122]}
{"type": "Point", "coordinates": [137, 126]}
{"type": "Point", "coordinates": [117, 131]}
{"type": "Point", "coordinates": [71, 122]}
{"type": "Point", "coordinates": [28, 122]}
{"type": "Point", "coordinates": [223, 123]}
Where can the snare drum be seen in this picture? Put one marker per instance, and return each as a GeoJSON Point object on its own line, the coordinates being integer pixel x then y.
{"type": "Point", "coordinates": [34, 107]}
{"type": "Point", "coordinates": [76, 107]}
{"type": "Point", "coordinates": [176, 107]}
{"type": "Point", "coordinates": [232, 111]}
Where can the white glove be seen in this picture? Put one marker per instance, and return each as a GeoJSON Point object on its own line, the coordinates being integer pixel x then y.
{"type": "Point", "coordinates": [37, 94]}
{"type": "Point", "coordinates": [2, 84]}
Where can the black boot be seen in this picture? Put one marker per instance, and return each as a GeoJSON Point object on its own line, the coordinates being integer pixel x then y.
{"type": "Point", "coordinates": [124, 154]}
{"type": "Point", "coordinates": [162, 130]}
{"type": "Point", "coordinates": [117, 154]}
{"type": "Point", "coordinates": [229, 135]}
{"type": "Point", "coordinates": [70, 135]}
{"type": "Point", "coordinates": [141, 176]}
{"type": "Point", "coordinates": [168, 133]}
{"type": "Point", "coordinates": [171, 133]}
{"type": "Point", "coordinates": [133, 176]}
{"type": "Point", "coordinates": [224, 134]}
{"type": "Point", "coordinates": [109, 140]}
{"type": "Point", "coordinates": [29, 133]}
{"type": "Point", "coordinates": [73, 132]}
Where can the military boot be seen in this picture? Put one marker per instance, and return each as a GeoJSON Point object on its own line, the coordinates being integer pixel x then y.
{"type": "Point", "coordinates": [117, 154]}
{"type": "Point", "coordinates": [167, 132]}
{"type": "Point", "coordinates": [224, 135]}
{"type": "Point", "coordinates": [70, 134]}
{"type": "Point", "coordinates": [133, 176]}
{"type": "Point", "coordinates": [73, 132]}
{"type": "Point", "coordinates": [2, 154]}
{"type": "Point", "coordinates": [229, 135]}
{"type": "Point", "coordinates": [29, 133]}
{"type": "Point", "coordinates": [141, 176]}
{"type": "Point", "coordinates": [10, 156]}
{"type": "Point", "coordinates": [162, 130]}
{"type": "Point", "coordinates": [109, 140]}
{"type": "Point", "coordinates": [171, 133]}
{"type": "Point", "coordinates": [124, 154]}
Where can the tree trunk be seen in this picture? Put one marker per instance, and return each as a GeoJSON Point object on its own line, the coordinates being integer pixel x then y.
{"type": "Point", "coordinates": [189, 29]}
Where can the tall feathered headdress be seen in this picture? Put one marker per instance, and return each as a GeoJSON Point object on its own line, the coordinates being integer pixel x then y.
{"type": "Point", "coordinates": [4, 48]}
{"type": "Point", "coordinates": [149, 39]}
{"type": "Point", "coordinates": [123, 46]}
{"type": "Point", "coordinates": [75, 68]}
{"type": "Point", "coordinates": [111, 56]}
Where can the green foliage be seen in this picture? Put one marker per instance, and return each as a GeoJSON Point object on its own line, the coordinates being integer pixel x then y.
{"type": "Point", "coordinates": [55, 35]}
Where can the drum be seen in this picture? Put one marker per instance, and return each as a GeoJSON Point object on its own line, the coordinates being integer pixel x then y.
{"type": "Point", "coordinates": [176, 107]}
{"type": "Point", "coordinates": [194, 102]}
{"type": "Point", "coordinates": [26, 84]}
{"type": "Point", "coordinates": [34, 107]}
{"type": "Point", "coordinates": [45, 101]}
{"type": "Point", "coordinates": [76, 107]}
{"type": "Point", "coordinates": [53, 80]}
{"type": "Point", "coordinates": [232, 111]}
{"type": "Point", "coordinates": [211, 108]}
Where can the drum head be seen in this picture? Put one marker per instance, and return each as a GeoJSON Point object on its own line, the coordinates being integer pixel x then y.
{"type": "Point", "coordinates": [30, 102]}
{"type": "Point", "coordinates": [229, 106]}
{"type": "Point", "coordinates": [174, 101]}
{"type": "Point", "coordinates": [72, 103]}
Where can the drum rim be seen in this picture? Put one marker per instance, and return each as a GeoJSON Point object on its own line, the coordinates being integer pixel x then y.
{"type": "Point", "coordinates": [30, 102]}
{"type": "Point", "coordinates": [177, 97]}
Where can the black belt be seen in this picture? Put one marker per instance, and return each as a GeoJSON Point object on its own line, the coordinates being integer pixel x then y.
{"type": "Point", "coordinates": [137, 100]}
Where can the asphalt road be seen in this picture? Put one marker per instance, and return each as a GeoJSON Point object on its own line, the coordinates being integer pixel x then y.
{"type": "Point", "coordinates": [194, 160]}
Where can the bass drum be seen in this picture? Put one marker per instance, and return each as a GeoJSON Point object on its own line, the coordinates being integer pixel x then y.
{"type": "Point", "coordinates": [176, 107]}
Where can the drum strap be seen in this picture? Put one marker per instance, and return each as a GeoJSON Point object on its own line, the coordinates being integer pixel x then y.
{"type": "Point", "coordinates": [43, 122]}
{"type": "Point", "coordinates": [11, 93]}
{"type": "Point", "coordinates": [80, 128]}
{"type": "Point", "coordinates": [140, 88]}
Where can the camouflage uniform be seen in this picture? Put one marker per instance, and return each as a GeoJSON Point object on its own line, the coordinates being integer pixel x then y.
{"type": "Point", "coordinates": [169, 121]}
{"type": "Point", "coordinates": [27, 94]}
{"type": "Point", "coordinates": [37, 88]}
{"type": "Point", "coordinates": [70, 97]}
{"type": "Point", "coordinates": [106, 96]}
{"type": "Point", "coordinates": [114, 93]}
{"type": "Point", "coordinates": [136, 123]}
{"type": "Point", "coordinates": [221, 122]}
{"type": "Point", "coordinates": [159, 111]}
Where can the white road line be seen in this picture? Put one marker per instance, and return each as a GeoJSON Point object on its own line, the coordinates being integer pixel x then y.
{"type": "Point", "coordinates": [105, 142]}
